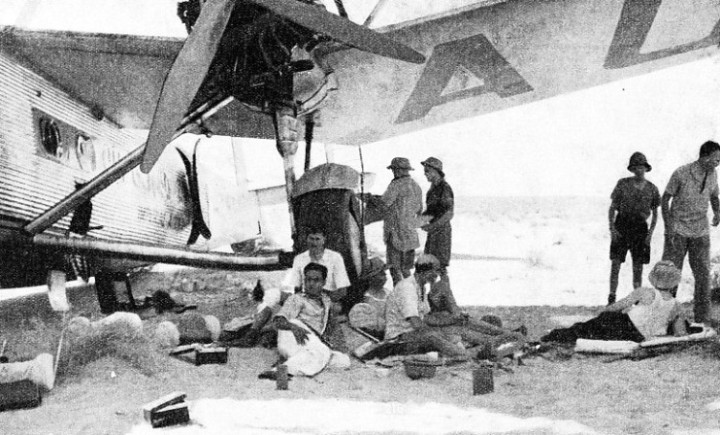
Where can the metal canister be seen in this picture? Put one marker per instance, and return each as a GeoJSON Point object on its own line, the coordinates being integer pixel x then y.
{"type": "Point", "coordinates": [282, 377]}
{"type": "Point", "coordinates": [483, 380]}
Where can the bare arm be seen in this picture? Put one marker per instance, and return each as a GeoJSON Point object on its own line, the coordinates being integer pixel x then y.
{"type": "Point", "coordinates": [715, 204]}
{"type": "Point", "coordinates": [611, 220]}
{"type": "Point", "coordinates": [653, 223]}
{"type": "Point", "coordinates": [281, 323]}
{"type": "Point", "coordinates": [416, 323]}
{"type": "Point", "coordinates": [666, 214]}
{"type": "Point", "coordinates": [625, 302]}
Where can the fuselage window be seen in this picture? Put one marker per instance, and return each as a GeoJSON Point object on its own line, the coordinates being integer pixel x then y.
{"type": "Point", "coordinates": [50, 137]}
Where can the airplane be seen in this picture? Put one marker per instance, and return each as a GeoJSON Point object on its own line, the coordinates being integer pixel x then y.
{"type": "Point", "coordinates": [283, 70]}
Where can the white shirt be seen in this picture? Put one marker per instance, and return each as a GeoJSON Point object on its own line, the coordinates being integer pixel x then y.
{"type": "Point", "coordinates": [337, 275]}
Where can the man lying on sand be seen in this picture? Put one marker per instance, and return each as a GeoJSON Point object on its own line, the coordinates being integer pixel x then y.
{"type": "Point", "coordinates": [301, 323]}
{"type": "Point", "coordinates": [643, 314]}
{"type": "Point", "coordinates": [447, 316]}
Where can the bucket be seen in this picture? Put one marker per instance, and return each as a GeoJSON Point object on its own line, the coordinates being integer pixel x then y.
{"type": "Point", "coordinates": [483, 380]}
{"type": "Point", "coordinates": [419, 369]}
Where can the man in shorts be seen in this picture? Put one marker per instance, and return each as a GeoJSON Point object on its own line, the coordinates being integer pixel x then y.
{"type": "Point", "coordinates": [634, 200]}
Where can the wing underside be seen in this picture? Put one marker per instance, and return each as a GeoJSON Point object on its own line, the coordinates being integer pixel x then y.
{"type": "Point", "coordinates": [479, 60]}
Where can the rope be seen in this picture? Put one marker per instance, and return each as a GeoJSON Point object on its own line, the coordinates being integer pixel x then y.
{"type": "Point", "coordinates": [62, 336]}
{"type": "Point", "coordinates": [362, 191]}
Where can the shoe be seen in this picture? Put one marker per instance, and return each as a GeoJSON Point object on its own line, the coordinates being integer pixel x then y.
{"type": "Point", "coordinates": [522, 330]}
{"type": "Point", "coordinates": [179, 309]}
{"type": "Point", "coordinates": [43, 372]}
{"type": "Point", "coordinates": [268, 374]}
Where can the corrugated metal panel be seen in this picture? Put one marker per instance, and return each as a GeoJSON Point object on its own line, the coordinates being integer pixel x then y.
{"type": "Point", "coordinates": [138, 208]}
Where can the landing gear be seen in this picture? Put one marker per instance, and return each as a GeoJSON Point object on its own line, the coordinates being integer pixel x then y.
{"type": "Point", "coordinates": [285, 122]}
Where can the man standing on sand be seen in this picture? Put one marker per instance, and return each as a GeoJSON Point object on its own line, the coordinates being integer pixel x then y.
{"type": "Point", "coordinates": [403, 204]}
{"type": "Point", "coordinates": [634, 199]}
{"type": "Point", "coordinates": [440, 203]}
{"type": "Point", "coordinates": [684, 210]}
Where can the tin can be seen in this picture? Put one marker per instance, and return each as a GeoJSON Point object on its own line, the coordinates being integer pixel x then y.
{"type": "Point", "coordinates": [483, 380]}
{"type": "Point", "coordinates": [282, 377]}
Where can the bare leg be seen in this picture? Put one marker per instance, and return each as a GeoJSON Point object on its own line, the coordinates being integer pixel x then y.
{"type": "Point", "coordinates": [637, 273]}
{"type": "Point", "coordinates": [614, 279]}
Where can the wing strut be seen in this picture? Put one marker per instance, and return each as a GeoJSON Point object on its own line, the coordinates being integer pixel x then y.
{"type": "Point", "coordinates": [376, 10]}
{"type": "Point", "coordinates": [93, 187]}
{"type": "Point", "coordinates": [285, 122]}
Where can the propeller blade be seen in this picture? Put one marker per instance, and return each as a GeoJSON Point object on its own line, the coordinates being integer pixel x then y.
{"type": "Point", "coordinates": [185, 77]}
{"type": "Point", "coordinates": [340, 29]}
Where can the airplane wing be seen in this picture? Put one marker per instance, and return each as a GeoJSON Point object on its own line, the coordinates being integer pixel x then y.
{"type": "Point", "coordinates": [482, 58]}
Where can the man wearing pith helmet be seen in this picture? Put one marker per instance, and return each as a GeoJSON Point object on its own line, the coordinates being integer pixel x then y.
{"type": "Point", "coordinates": [440, 205]}
{"type": "Point", "coordinates": [403, 205]}
{"type": "Point", "coordinates": [634, 200]}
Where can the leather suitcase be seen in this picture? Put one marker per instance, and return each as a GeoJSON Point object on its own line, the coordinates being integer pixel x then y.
{"type": "Point", "coordinates": [19, 395]}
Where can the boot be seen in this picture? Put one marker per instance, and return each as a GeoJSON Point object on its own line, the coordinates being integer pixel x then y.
{"type": "Point", "coordinates": [40, 371]}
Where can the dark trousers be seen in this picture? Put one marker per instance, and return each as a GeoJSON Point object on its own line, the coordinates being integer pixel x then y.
{"type": "Point", "coordinates": [607, 326]}
{"type": "Point", "coordinates": [698, 252]}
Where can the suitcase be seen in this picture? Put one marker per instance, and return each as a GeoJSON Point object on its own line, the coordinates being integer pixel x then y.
{"type": "Point", "coordinates": [19, 395]}
{"type": "Point", "coordinates": [168, 410]}
{"type": "Point", "coordinates": [211, 355]}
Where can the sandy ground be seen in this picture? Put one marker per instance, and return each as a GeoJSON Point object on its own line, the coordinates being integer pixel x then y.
{"type": "Point", "coordinates": [533, 263]}
{"type": "Point", "coordinates": [550, 394]}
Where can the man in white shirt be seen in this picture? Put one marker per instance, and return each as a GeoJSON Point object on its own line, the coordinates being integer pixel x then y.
{"type": "Point", "coordinates": [337, 281]}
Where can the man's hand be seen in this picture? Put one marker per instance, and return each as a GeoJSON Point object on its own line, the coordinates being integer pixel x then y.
{"type": "Point", "coordinates": [301, 335]}
{"type": "Point", "coordinates": [427, 227]}
{"type": "Point", "coordinates": [648, 239]}
{"type": "Point", "coordinates": [716, 219]}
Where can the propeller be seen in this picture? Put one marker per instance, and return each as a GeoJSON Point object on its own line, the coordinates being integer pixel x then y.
{"type": "Point", "coordinates": [185, 77]}
{"type": "Point", "coordinates": [340, 29]}
{"type": "Point", "coordinates": [192, 64]}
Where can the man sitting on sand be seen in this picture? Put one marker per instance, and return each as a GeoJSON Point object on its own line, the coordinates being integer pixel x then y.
{"type": "Point", "coordinates": [301, 323]}
{"type": "Point", "coordinates": [643, 314]}
{"type": "Point", "coordinates": [369, 315]}
{"type": "Point", "coordinates": [405, 331]}
{"type": "Point", "coordinates": [248, 331]}
{"type": "Point", "coordinates": [337, 280]}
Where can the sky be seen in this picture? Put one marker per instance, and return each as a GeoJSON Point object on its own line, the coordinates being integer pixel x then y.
{"type": "Point", "coordinates": [573, 144]}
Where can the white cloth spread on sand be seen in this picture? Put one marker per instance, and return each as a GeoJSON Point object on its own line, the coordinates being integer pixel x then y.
{"type": "Point", "coordinates": [300, 416]}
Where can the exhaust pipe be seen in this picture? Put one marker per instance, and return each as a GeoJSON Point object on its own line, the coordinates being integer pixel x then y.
{"type": "Point", "coordinates": [156, 254]}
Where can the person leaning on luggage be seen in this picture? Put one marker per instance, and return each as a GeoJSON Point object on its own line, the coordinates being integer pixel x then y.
{"type": "Point", "coordinates": [634, 200]}
{"type": "Point", "coordinates": [643, 314]}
